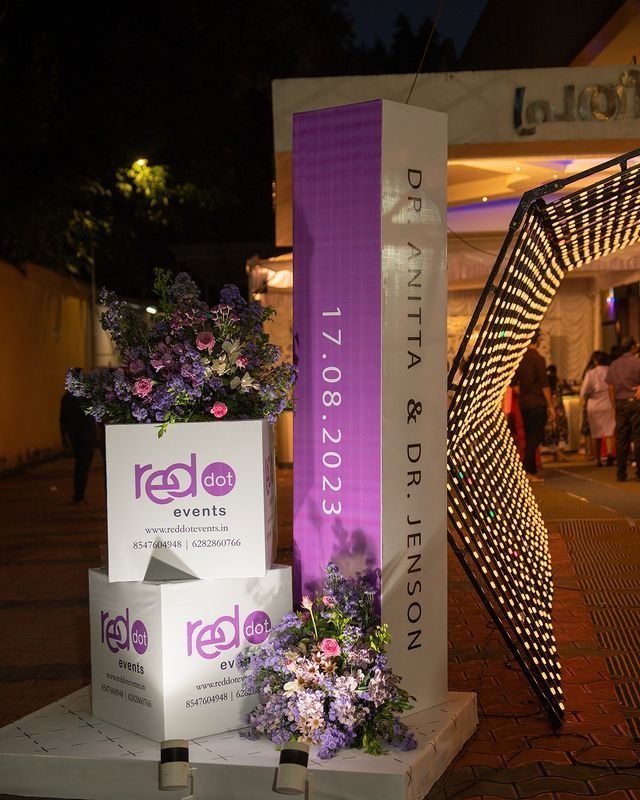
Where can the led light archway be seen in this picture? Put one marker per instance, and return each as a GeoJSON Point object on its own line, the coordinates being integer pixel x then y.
{"type": "Point", "coordinates": [494, 524]}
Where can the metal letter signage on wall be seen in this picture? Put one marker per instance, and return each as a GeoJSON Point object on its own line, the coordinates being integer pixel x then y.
{"type": "Point", "coordinates": [495, 526]}
{"type": "Point", "coordinates": [600, 102]}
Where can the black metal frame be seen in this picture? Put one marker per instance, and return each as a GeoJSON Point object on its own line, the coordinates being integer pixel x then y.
{"type": "Point", "coordinates": [529, 197]}
{"type": "Point", "coordinates": [465, 509]}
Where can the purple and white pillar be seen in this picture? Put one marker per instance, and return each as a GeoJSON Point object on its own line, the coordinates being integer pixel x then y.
{"type": "Point", "coordinates": [370, 298]}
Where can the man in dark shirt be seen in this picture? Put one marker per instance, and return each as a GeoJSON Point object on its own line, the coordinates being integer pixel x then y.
{"type": "Point", "coordinates": [623, 378]}
{"type": "Point", "coordinates": [536, 405]}
{"type": "Point", "coordinates": [80, 431]}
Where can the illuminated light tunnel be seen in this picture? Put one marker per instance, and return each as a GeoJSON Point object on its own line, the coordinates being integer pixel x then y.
{"type": "Point", "coordinates": [494, 524]}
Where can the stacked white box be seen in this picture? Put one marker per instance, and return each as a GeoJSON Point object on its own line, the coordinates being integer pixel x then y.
{"type": "Point", "coordinates": [197, 503]}
{"type": "Point", "coordinates": [164, 653]}
{"type": "Point", "coordinates": [200, 501]}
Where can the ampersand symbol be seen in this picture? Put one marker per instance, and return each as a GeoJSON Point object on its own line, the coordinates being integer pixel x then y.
{"type": "Point", "coordinates": [413, 410]}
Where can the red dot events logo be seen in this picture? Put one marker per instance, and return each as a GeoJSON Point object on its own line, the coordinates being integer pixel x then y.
{"type": "Point", "coordinates": [218, 478]}
{"type": "Point", "coordinates": [118, 634]}
{"type": "Point", "coordinates": [178, 480]}
{"type": "Point", "coordinates": [211, 639]}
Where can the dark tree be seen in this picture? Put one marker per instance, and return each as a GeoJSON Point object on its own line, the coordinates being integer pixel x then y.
{"type": "Point", "coordinates": [407, 47]}
{"type": "Point", "coordinates": [88, 88]}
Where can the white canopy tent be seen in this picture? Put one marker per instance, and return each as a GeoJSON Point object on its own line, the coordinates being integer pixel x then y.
{"type": "Point", "coordinates": [572, 326]}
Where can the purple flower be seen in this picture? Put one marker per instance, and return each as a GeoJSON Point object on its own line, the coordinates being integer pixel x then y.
{"type": "Point", "coordinates": [140, 413]}
{"type": "Point", "coordinates": [230, 295]}
{"type": "Point", "coordinates": [305, 692]}
{"type": "Point", "coordinates": [175, 366]}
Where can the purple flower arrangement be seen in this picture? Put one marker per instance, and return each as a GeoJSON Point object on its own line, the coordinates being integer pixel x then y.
{"type": "Point", "coordinates": [193, 364]}
{"type": "Point", "coordinates": [323, 676]}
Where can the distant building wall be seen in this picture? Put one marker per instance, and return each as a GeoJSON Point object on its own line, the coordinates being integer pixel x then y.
{"type": "Point", "coordinates": [44, 330]}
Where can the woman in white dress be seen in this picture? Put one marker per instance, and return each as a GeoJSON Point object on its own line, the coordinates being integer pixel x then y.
{"type": "Point", "coordinates": [600, 411]}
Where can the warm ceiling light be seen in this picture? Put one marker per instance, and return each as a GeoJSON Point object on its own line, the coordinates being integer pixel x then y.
{"type": "Point", "coordinates": [485, 198]}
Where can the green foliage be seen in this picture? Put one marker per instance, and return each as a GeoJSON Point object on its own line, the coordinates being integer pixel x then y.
{"type": "Point", "coordinates": [152, 191]}
{"type": "Point", "coordinates": [88, 216]}
{"type": "Point", "coordinates": [162, 289]}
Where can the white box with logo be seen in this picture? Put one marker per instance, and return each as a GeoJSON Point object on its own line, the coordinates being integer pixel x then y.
{"type": "Point", "coordinates": [164, 654]}
{"type": "Point", "coordinates": [198, 502]}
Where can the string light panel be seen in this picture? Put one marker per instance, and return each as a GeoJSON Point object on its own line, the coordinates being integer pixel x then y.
{"type": "Point", "coordinates": [494, 524]}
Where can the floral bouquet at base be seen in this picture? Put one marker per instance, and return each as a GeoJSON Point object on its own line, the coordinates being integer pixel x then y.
{"type": "Point", "coordinates": [323, 677]}
{"type": "Point", "coordinates": [194, 363]}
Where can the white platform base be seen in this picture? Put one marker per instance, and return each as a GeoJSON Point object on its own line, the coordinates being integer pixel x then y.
{"type": "Point", "coordinates": [62, 751]}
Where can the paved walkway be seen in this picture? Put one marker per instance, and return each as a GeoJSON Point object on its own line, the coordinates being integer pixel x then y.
{"type": "Point", "coordinates": [595, 550]}
{"type": "Point", "coordinates": [48, 544]}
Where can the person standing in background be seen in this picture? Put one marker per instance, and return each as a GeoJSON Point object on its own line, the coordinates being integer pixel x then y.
{"type": "Point", "coordinates": [585, 431]}
{"type": "Point", "coordinates": [623, 378]}
{"type": "Point", "coordinates": [600, 409]}
{"type": "Point", "coordinates": [536, 404]}
{"type": "Point", "coordinates": [556, 433]}
{"type": "Point", "coordinates": [79, 430]}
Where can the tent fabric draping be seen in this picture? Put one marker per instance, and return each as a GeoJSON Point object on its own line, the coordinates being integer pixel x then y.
{"type": "Point", "coordinates": [569, 329]}
{"type": "Point", "coordinates": [471, 257]}
{"type": "Point", "coordinates": [570, 323]}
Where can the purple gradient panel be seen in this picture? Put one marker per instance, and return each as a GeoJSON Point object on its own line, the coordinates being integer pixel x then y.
{"type": "Point", "coordinates": [337, 167]}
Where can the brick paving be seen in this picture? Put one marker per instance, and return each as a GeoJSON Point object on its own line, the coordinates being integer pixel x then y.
{"type": "Point", "coordinates": [516, 753]}
{"type": "Point", "coordinates": [48, 545]}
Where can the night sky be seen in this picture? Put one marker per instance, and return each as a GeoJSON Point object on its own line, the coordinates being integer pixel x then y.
{"type": "Point", "coordinates": [375, 20]}
{"type": "Point", "coordinates": [88, 88]}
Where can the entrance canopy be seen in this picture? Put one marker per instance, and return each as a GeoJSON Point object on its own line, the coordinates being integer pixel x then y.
{"type": "Point", "coordinates": [509, 130]}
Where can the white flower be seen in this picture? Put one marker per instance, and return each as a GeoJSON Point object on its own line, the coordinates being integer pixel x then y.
{"type": "Point", "coordinates": [233, 349]}
{"type": "Point", "coordinates": [220, 365]}
{"type": "Point", "coordinates": [377, 688]}
{"type": "Point", "coordinates": [292, 687]}
{"type": "Point", "coordinates": [311, 713]}
{"type": "Point", "coordinates": [347, 684]}
{"type": "Point", "coordinates": [245, 383]}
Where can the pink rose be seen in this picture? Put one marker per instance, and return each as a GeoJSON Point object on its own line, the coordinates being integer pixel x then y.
{"type": "Point", "coordinates": [242, 362]}
{"type": "Point", "coordinates": [205, 341]}
{"type": "Point", "coordinates": [328, 601]}
{"type": "Point", "coordinates": [219, 410]}
{"type": "Point", "coordinates": [330, 647]}
{"type": "Point", "coordinates": [143, 386]}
